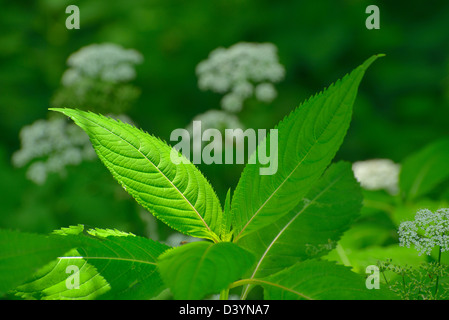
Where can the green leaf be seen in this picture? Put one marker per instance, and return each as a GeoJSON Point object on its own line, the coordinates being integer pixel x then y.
{"type": "Point", "coordinates": [22, 254]}
{"type": "Point", "coordinates": [311, 230]}
{"type": "Point", "coordinates": [52, 281]}
{"type": "Point", "coordinates": [197, 269]}
{"type": "Point", "coordinates": [226, 233]}
{"type": "Point", "coordinates": [179, 195]}
{"type": "Point", "coordinates": [319, 280]}
{"type": "Point", "coordinates": [308, 140]}
{"type": "Point", "coordinates": [425, 169]}
{"type": "Point", "coordinates": [112, 265]}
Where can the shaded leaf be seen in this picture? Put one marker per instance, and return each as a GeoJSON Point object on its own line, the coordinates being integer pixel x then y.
{"type": "Point", "coordinates": [320, 280]}
{"type": "Point", "coordinates": [311, 230]}
{"type": "Point", "coordinates": [112, 265]}
{"type": "Point", "coordinates": [197, 269]}
{"type": "Point", "coordinates": [22, 254]}
{"type": "Point", "coordinates": [424, 170]}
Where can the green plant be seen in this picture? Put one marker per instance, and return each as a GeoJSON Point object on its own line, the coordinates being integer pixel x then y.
{"type": "Point", "coordinates": [271, 233]}
{"type": "Point", "coordinates": [395, 195]}
{"type": "Point", "coordinates": [416, 283]}
{"type": "Point", "coordinates": [428, 231]}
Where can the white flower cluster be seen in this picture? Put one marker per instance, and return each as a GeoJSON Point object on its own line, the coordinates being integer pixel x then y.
{"type": "Point", "coordinates": [240, 71]}
{"type": "Point", "coordinates": [51, 145]}
{"type": "Point", "coordinates": [106, 62]}
{"type": "Point", "coordinates": [377, 174]}
{"type": "Point", "coordinates": [98, 79]}
{"type": "Point", "coordinates": [427, 231]}
{"type": "Point", "coordinates": [216, 119]}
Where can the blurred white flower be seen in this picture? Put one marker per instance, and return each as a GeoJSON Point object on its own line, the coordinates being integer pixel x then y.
{"type": "Point", "coordinates": [243, 89]}
{"type": "Point", "coordinates": [266, 92]}
{"type": "Point", "coordinates": [51, 145]}
{"type": "Point", "coordinates": [232, 102]}
{"type": "Point", "coordinates": [98, 79]}
{"type": "Point", "coordinates": [177, 239]}
{"type": "Point", "coordinates": [377, 174]}
{"type": "Point", "coordinates": [220, 120]}
{"type": "Point", "coordinates": [238, 69]}
{"type": "Point", "coordinates": [37, 172]}
{"type": "Point", "coordinates": [217, 119]}
{"type": "Point", "coordinates": [106, 62]}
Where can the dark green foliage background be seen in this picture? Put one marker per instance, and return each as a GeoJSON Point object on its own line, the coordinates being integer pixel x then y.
{"type": "Point", "coordinates": [403, 102]}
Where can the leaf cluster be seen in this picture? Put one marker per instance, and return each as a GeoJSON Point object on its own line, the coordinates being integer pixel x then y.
{"type": "Point", "coordinates": [271, 233]}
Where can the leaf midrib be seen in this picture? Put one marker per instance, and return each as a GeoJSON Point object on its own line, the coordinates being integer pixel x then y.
{"type": "Point", "coordinates": [143, 155]}
{"type": "Point", "coordinates": [107, 258]}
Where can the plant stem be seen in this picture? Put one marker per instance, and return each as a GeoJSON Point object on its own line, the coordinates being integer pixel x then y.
{"type": "Point", "coordinates": [342, 255]}
{"type": "Point", "coordinates": [224, 294]}
{"type": "Point", "coordinates": [438, 278]}
{"type": "Point", "coordinates": [403, 279]}
{"type": "Point", "coordinates": [242, 283]}
{"type": "Point", "coordinates": [385, 278]}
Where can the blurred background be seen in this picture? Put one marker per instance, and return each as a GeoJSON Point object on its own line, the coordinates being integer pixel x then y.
{"type": "Point", "coordinates": [403, 101]}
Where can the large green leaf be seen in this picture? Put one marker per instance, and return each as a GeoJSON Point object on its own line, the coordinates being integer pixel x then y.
{"type": "Point", "coordinates": [177, 194]}
{"type": "Point", "coordinates": [424, 170]}
{"type": "Point", "coordinates": [197, 269]}
{"type": "Point", "coordinates": [308, 139]}
{"type": "Point", "coordinates": [111, 264]}
{"type": "Point", "coordinates": [22, 254]}
{"type": "Point", "coordinates": [313, 229]}
{"type": "Point", "coordinates": [320, 280]}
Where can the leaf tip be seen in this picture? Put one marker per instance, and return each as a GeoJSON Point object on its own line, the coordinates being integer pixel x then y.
{"type": "Point", "coordinates": [371, 59]}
